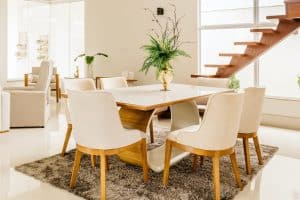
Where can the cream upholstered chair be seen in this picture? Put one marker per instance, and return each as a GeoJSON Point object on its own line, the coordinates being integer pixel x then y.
{"type": "Point", "coordinates": [120, 82]}
{"type": "Point", "coordinates": [98, 131]}
{"type": "Point", "coordinates": [29, 105]}
{"type": "Point", "coordinates": [210, 82]}
{"type": "Point", "coordinates": [216, 136]}
{"type": "Point", "coordinates": [79, 85]}
{"type": "Point", "coordinates": [32, 79]}
{"type": "Point", "coordinates": [113, 82]}
{"type": "Point", "coordinates": [250, 121]}
{"type": "Point", "coordinates": [4, 111]}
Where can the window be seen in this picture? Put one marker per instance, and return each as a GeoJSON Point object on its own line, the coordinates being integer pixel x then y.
{"type": "Point", "coordinates": [226, 12]}
{"type": "Point", "coordinates": [223, 23]}
{"type": "Point", "coordinates": [40, 30]}
{"type": "Point", "coordinates": [279, 68]}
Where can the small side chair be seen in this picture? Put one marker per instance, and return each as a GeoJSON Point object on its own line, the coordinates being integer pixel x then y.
{"type": "Point", "coordinates": [250, 121]}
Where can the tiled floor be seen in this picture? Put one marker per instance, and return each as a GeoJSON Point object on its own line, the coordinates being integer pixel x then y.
{"type": "Point", "coordinates": [279, 180]}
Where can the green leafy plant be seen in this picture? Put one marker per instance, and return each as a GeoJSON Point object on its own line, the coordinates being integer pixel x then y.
{"type": "Point", "coordinates": [299, 80]}
{"type": "Point", "coordinates": [164, 46]}
{"type": "Point", "coordinates": [234, 83]}
{"type": "Point", "coordinates": [90, 59]}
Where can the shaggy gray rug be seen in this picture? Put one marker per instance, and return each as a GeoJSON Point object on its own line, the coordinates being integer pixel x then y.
{"type": "Point", "coordinates": [125, 182]}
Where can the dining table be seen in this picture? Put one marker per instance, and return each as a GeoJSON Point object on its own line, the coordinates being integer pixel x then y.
{"type": "Point", "coordinates": [137, 107]}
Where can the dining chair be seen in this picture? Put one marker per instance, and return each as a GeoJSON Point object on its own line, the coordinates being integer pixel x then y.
{"type": "Point", "coordinates": [112, 83]}
{"type": "Point", "coordinates": [120, 82]}
{"type": "Point", "coordinates": [216, 136]}
{"type": "Point", "coordinates": [85, 84]}
{"type": "Point", "coordinates": [209, 82]}
{"type": "Point", "coordinates": [98, 131]}
{"type": "Point", "coordinates": [250, 121]}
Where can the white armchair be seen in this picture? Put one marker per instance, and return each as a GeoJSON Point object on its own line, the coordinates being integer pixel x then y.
{"type": "Point", "coordinates": [4, 111]}
{"type": "Point", "coordinates": [29, 105]}
{"type": "Point", "coordinates": [98, 132]}
{"type": "Point", "coordinates": [216, 136]}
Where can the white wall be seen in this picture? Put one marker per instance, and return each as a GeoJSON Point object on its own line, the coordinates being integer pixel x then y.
{"type": "Point", "coordinates": [120, 28]}
{"type": "Point", "coordinates": [282, 113]}
{"type": "Point", "coordinates": [3, 41]}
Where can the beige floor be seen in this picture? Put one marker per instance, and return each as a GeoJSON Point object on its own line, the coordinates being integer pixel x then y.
{"type": "Point", "coordinates": [279, 180]}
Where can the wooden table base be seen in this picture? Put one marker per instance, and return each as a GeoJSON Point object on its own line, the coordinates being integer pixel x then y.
{"type": "Point", "coordinates": [134, 119]}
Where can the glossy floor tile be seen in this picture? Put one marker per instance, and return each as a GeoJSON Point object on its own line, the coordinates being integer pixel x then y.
{"type": "Point", "coordinates": [279, 180]}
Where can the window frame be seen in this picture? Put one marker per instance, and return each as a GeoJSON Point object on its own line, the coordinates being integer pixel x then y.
{"type": "Point", "coordinates": [255, 23]}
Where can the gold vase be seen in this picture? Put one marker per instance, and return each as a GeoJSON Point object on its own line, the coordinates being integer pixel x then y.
{"type": "Point", "coordinates": [166, 77]}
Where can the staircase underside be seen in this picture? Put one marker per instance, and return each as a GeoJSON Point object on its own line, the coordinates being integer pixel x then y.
{"type": "Point", "coordinates": [254, 49]}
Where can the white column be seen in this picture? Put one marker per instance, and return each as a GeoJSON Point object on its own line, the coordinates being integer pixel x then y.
{"type": "Point", "coordinates": [3, 41]}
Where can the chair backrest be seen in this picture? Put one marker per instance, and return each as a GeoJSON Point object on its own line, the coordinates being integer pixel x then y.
{"type": "Point", "coordinates": [252, 110]}
{"type": "Point", "coordinates": [113, 82]}
{"type": "Point", "coordinates": [213, 82]}
{"type": "Point", "coordinates": [82, 84]}
{"type": "Point", "coordinates": [218, 129]}
{"type": "Point", "coordinates": [184, 115]}
{"type": "Point", "coordinates": [85, 84]}
{"type": "Point", "coordinates": [95, 117]}
{"type": "Point", "coordinates": [45, 75]}
{"type": "Point", "coordinates": [36, 70]}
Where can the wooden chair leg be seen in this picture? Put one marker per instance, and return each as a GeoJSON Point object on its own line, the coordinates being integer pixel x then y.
{"type": "Point", "coordinates": [216, 177]}
{"type": "Point", "coordinates": [151, 132]}
{"type": "Point", "coordinates": [75, 168]}
{"type": "Point", "coordinates": [93, 161]}
{"type": "Point", "coordinates": [258, 152]}
{"type": "Point", "coordinates": [195, 161]}
{"type": "Point", "coordinates": [144, 159]}
{"type": "Point", "coordinates": [57, 87]}
{"type": "Point", "coordinates": [236, 170]}
{"type": "Point", "coordinates": [167, 162]}
{"type": "Point", "coordinates": [247, 155]}
{"type": "Point", "coordinates": [67, 138]}
{"type": "Point", "coordinates": [103, 177]}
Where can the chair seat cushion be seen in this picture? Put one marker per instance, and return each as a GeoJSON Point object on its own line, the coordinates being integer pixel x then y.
{"type": "Point", "coordinates": [34, 78]}
{"type": "Point", "coordinates": [175, 134]}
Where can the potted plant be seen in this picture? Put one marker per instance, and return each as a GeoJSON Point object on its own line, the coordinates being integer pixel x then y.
{"type": "Point", "coordinates": [164, 46]}
{"type": "Point", "coordinates": [234, 83]}
{"type": "Point", "coordinates": [89, 60]}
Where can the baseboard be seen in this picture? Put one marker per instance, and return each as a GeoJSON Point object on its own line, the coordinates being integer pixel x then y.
{"type": "Point", "coordinates": [281, 121]}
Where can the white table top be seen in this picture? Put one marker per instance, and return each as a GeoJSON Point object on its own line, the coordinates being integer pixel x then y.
{"type": "Point", "coordinates": [149, 97]}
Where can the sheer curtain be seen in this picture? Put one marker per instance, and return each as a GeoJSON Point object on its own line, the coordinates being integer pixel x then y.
{"type": "Point", "coordinates": [39, 30]}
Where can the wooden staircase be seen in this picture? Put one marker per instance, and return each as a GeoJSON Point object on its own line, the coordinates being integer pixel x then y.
{"type": "Point", "coordinates": [254, 49]}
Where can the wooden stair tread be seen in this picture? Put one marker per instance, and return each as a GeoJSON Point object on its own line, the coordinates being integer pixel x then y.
{"type": "Point", "coordinates": [263, 30]}
{"type": "Point", "coordinates": [248, 43]}
{"type": "Point", "coordinates": [218, 65]}
{"type": "Point", "coordinates": [277, 17]}
{"type": "Point", "coordinates": [233, 54]}
{"type": "Point", "coordinates": [203, 76]}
